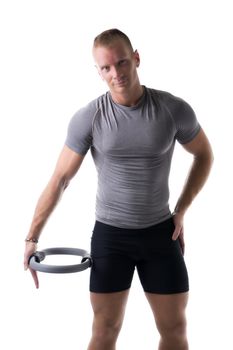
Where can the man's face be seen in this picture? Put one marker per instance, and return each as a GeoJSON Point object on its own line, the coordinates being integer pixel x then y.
{"type": "Point", "coordinates": [117, 65]}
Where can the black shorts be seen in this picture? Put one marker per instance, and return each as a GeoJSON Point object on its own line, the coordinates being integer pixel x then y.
{"type": "Point", "coordinates": [158, 259]}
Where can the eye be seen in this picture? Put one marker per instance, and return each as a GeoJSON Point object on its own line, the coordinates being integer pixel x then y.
{"type": "Point", "coordinates": [105, 69]}
{"type": "Point", "coordinates": [122, 62]}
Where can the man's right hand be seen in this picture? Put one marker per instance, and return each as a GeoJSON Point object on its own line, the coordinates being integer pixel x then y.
{"type": "Point", "coordinates": [30, 249]}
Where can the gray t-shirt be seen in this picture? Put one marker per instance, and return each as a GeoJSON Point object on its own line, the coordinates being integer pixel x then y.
{"type": "Point", "coordinates": [132, 149]}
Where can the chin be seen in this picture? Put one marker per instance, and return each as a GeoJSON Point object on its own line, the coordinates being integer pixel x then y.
{"type": "Point", "coordinates": [122, 87]}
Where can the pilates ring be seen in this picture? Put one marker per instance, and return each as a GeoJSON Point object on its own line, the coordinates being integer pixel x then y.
{"type": "Point", "coordinates": [37, 257]}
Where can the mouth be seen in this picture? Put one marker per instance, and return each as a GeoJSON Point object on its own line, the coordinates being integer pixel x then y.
{"type": "Point", "coordinates": [120, 82]}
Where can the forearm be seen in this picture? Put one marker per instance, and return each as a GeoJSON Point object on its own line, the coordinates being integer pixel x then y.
{"type": "Point", "coordinates": [67, 166]}
{"type": "Point", "coordinates": [45, 206]}
{"type": "Point", "coordinates": [195, 181]}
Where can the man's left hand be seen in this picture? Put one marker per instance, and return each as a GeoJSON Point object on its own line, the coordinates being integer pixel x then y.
{"type": "Point", "coordinates": [179, 230]}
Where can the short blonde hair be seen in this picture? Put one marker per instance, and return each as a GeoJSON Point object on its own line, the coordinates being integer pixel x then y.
{"type": "Point", "coordinates": [108, 36]}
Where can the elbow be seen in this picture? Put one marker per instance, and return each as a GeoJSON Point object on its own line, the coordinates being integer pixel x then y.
{"type": "Point", "coordinates": [64, 184]}
{"type": "Point", "coordinates": [60, 182]}
{"type": "Point", "coordinates": [205, 159]}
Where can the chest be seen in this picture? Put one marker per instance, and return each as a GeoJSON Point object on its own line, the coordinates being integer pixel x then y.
{"type": "Point", "coordinates": [137, 134]}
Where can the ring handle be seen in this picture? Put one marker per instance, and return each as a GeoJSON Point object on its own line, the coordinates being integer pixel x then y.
{"type": "Point", "coordinates": [37, 257]}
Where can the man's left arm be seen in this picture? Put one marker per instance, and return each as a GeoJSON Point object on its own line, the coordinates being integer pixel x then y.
{"type": "Point", "coordinates": [202, 161]}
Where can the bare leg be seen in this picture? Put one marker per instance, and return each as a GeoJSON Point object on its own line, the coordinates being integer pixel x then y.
{"type": "Point", "coordinates": [169, 314]}
{"type": "Point", "coordinates": [109, 310]}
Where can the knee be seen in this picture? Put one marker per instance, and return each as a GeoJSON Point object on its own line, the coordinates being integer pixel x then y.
{"type": "Point", "coordinates": [105, 329]}
{"type": "Point", "coordinates": [174, 330]}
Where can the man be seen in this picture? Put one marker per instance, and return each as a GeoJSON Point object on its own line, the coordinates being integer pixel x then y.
{"type": "Point", "coordinates": [131, 131]}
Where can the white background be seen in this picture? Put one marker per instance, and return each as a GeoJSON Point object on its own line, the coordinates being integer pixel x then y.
{"type": "Point", "coordinates": [46, 74]}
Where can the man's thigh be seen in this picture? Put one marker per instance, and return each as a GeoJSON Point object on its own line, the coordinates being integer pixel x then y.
{"type": "Point", "coordinates": [113, 267]}
{"type": "Point", "coordinates": [168, 310]}
{"type": "Point", "coordinates": [109, 307]}
{"type": "Point", "coordinates": [164, 273]}
{"type": "Point", "coordinates": [162, 269]}
{"type": "Point", "coordinates": [111, 274]}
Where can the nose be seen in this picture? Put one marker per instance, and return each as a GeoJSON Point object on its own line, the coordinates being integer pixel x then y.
{"type": "Point", "coordinates": [116, 72]}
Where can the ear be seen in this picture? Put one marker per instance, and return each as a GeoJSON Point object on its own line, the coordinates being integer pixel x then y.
{"type": "Point", "coordinates": [137, 58]}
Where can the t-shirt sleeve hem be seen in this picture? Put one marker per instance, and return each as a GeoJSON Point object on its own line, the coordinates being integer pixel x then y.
{"type": "Point", "coordinates": [191, 136]}
{"type": "Point", "coordinates": [76, 149]}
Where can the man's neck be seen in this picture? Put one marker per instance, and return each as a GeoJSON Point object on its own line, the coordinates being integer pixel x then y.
{"type": "Point", "coordinates": [129, 98]}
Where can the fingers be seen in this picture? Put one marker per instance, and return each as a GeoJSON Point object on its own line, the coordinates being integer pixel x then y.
{"type": "Point", "coordinates": [182, 244]}
{"type": "Point", "coordinates": [179, 231]}
{"type": "Point", "coordinates": [33, 272]}
{"type": "Point", "coordinates": [27, 256]}
{"type": "Point", "coordinates": [35, 277]}
{"type": "Point", "coordinates": [29, 250]}
{"type": "Point", "coordinates": [25, 263]}
{"type": "Point", "coordinates": [179, 234]}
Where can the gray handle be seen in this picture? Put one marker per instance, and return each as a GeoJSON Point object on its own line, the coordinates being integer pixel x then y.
{"type": "Point", "coordinates": [39, 256]}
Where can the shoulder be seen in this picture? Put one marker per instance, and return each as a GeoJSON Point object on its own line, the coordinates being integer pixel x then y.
{"type": "Point", "coordinates": [90, 108]}
{"type": "Point", "coordinates": [177, 106]}
{"type": "Point", "coordinates": [87, 113]}
{"type": "Point", "coordinates": [166, 98]}
{"type": "Point", "coordinates": [181, 112]}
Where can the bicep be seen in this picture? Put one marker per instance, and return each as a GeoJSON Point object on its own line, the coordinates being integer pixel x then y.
{"type": "Point", "coordinates": [68, 164]}
{"type": "Point", "coordinates": [199, 146]}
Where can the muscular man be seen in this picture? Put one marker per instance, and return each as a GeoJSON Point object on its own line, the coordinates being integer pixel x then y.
{"type": "Point", "coordinates": [131, 132]}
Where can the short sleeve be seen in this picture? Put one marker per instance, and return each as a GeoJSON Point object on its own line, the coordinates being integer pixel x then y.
{"type": "Point", "coordinates": [79, 134]}
{"type": "Point", "coordinates": [187, 125]}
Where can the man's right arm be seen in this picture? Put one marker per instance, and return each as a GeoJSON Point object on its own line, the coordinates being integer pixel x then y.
{"type": "Point", "coordinates": [66, 167]}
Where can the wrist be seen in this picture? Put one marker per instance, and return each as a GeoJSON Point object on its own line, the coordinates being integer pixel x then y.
{"type": "Point", "coordinates": [31, 240]}
{"type": "Point", "coordinates": [179, 212]}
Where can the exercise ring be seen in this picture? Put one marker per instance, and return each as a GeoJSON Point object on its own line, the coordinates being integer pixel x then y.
{"type": "Point", "coordinates": [37, 257]}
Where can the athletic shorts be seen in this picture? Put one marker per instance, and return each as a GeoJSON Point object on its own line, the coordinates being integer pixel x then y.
{"type": "Point", "coordinates": [116, 252]}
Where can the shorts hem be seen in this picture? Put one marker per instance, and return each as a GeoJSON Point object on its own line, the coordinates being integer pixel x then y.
{"type": "Point", "coordinates": [180, 291]}
{"type": "Point", "coordinates": [104, 291]}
